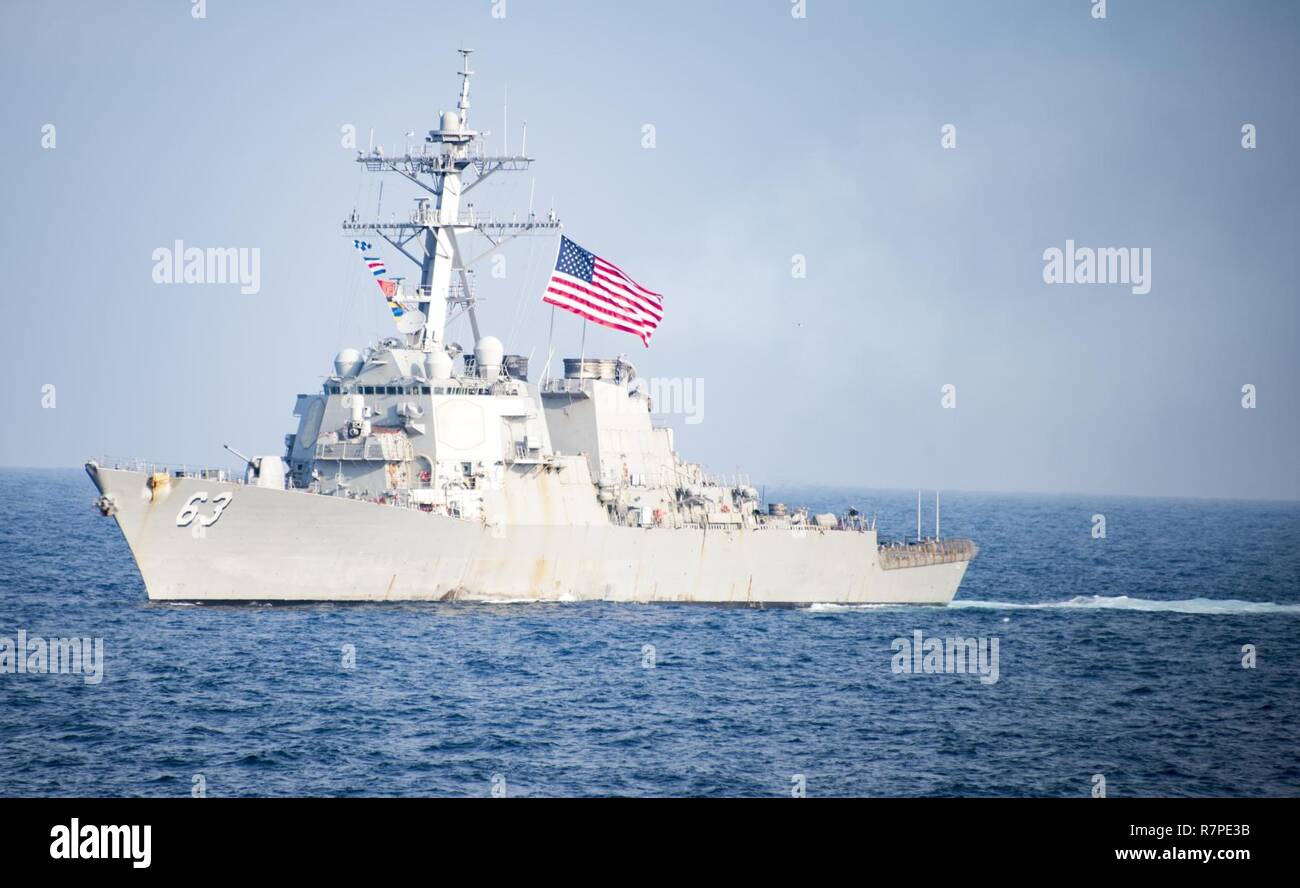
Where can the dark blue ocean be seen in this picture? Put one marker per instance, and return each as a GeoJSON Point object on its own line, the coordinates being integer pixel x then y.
{"type": "Point", "coordinates": [1120, 657]}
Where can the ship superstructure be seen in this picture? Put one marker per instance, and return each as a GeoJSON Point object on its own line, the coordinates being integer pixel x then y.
{"type": "Point", "coordinates": [426, 470]}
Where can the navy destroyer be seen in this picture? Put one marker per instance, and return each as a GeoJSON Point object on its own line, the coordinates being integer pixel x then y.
{"type": "Point", "coordinates": [426, 471]}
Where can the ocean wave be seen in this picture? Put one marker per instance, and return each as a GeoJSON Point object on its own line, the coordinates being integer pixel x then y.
{"type": "Point", "coordinates": [1124, 602]}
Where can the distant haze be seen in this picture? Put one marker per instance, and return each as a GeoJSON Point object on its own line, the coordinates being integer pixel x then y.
{"type": "Point", "coordinates": [774, 137]}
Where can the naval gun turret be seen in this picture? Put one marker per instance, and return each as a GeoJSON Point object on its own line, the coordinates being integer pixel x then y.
{"type": "Point", "coordinates": [262, 471]}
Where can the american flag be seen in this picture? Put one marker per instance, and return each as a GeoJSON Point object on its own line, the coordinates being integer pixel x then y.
{"type": "Point", "coordinates": [601, 292]}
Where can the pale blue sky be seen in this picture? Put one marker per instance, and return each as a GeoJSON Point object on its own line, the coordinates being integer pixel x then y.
{"type": "Point", "coordinates": [774, 136]}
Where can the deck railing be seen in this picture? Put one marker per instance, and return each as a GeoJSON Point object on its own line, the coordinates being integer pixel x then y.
{"type": "Point", "coordinates": [175, 470]}
{"type": "Point", "coordinates": [926, 552]}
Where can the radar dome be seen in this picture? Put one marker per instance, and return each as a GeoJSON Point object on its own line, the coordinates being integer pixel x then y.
{"type": "Point", "coordinates": [488, 355]}
{"type": "Point", "coordinates": [347, 362]}
{"type": "Point", "coordinates": [450, 121]}
{"type": "Point", "coordinates": [438, 365]}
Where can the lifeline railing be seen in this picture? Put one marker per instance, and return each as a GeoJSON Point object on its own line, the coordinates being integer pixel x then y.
{"type": "Point", "coordinates": [175, 470]}
{"type": "Point", "coordinates": [926, 552]}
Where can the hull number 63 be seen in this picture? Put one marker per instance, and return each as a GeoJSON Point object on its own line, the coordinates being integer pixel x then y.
{"type": "Point", "coordinates": [190, 511]}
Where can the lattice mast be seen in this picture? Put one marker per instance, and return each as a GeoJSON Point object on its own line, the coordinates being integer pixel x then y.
{"type": "Point", "coordinates": [431, 238]}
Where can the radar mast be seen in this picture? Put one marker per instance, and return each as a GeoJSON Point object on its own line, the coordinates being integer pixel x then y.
{"type": "Point", "coordinates": [452, 154]}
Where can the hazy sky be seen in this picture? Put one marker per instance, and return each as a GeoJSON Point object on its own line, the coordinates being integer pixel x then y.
{"type": "Point", "coordinates": [774, 136]}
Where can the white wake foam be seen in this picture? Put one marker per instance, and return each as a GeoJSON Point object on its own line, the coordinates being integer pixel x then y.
{"type": "Point", "coordinates": [828, 607]}
{"type": "Point", "coordinates": [1124, 602]}
{"type": "Point", "coordinates": [511, 601]}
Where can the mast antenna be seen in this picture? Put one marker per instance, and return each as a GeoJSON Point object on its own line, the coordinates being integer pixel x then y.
{"type": "Point", "coordinates": [434, 236]}
{"type": "Point", "coordinates": [465, 75]}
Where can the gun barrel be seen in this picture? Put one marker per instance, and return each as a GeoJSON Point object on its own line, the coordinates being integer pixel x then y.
{"type": "Point", "coordinates": [238, 454]}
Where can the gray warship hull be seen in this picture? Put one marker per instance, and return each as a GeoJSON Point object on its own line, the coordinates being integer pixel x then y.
{"type": "Point", "coordinates": [289, 545]}
{"type": "Point", "coordinates": [421, 470]}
